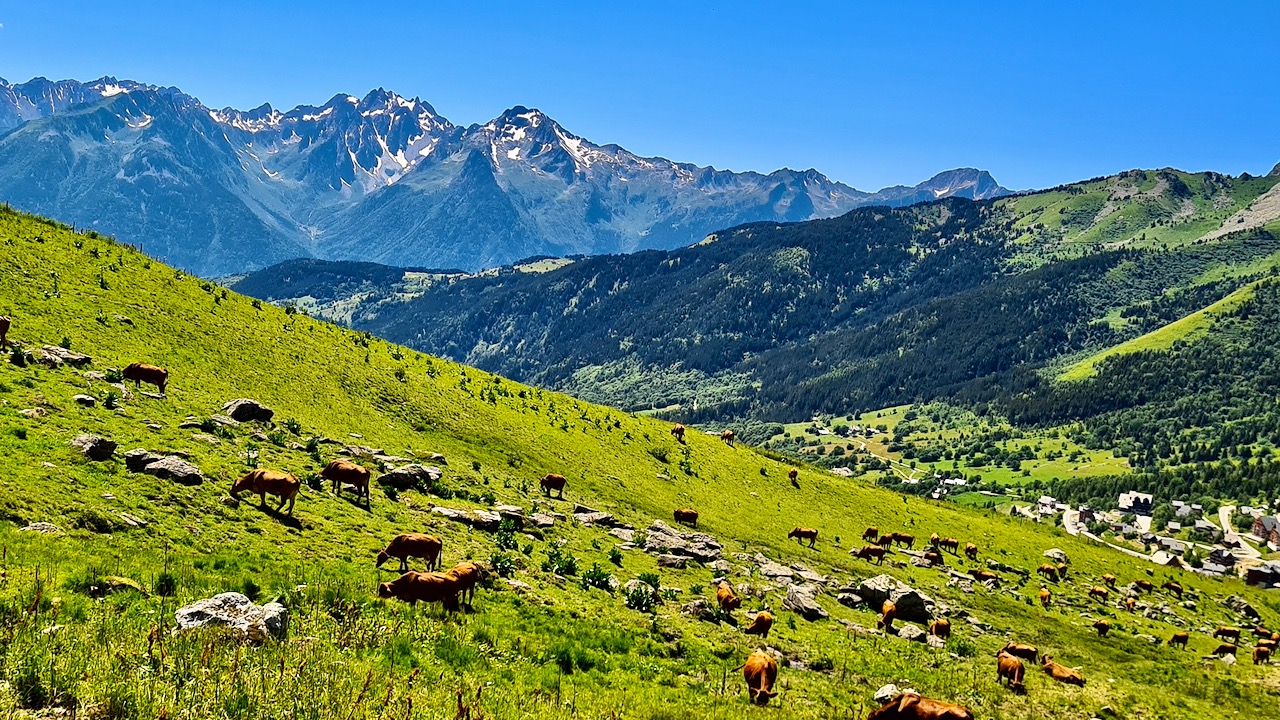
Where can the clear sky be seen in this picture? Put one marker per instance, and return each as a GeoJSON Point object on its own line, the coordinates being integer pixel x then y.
{"type": "Point", "coordinates": [871, 94]}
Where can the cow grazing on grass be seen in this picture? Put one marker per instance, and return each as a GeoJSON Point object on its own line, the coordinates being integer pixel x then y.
{"type": "Point", "coordinates": [793, 474]}
{"type": "Point", "coordinates": [1261, 632]}
{"type": "Point", "coordinates": [1144, 585]}
{"type": "Point", "coordinates": [1046, 597]}
{"type": "Point", "coordinates": [415, 587]}
{"type": "Point", "coordinates": [971, 551]}
{"type": "Point", "coordinates": [1174, 588]}
{"type": "Point", "coordinates": [801, 534]}
{"type": "Point", "coordinates": [1026, 652]}
{"type": "Point", "coordinates": [885, 541]}
{"type": "Point", "coordinates": [465, 577]}
{"type": "Point", "coordinates": [345, 472]}
{"type": "Point", "coordinates": [1061, 673]}
{"type": "Point", "coordinates": [269, 482]}
{"type": "Point", "coordinates": [411, 545]}
{"type": "Point", "coordinates": [871, 534]}
{"type": "Point", "coordinates": [726, 599]}
{"type": "Point", "coordinates": [686, 516]}
{"type": "Point", "coordinates": [1180, 639]}
{"type": "Point", "coordinates": [870, 553]}
{"type": "Point", "coordinates": [760, 673]}
{"type": "Point", "coordinates": [1109, 581]}
{"type": "Point", "coordinates": [1099, 592]}
{"type": "Point", "coordinates": [940, 628]}
{"type": "Point", "coordinates": [1226, 649]}
{"type": "Point", "coordinates": [1268, 644]}
{"type": "Point", "coordinates": [678, 433]}
{"type": "Point", "coordinates": [760, 625]}
{"type": "Point", "coordinates": [904, 539]}
{"type": "Point", "coordinates": [1261, 655]}
{"type": "Point", "coordinates": [934, 558]}
{"type": "Point", "coordinates": [728, 437]}
{"type": "Point", "coordinates": [1009, 670]}
{"type": "Point", "coordinates": [142, 373]}
{"type": "Point", "coordinates": [888, 613]}
{"type": "Point", "coordinates": [1062, 570]}
{"type": "Point", "coordinates": [1103, 627]}
{"type": "Point", "coordinates": [1129, 604]}
{"type": "Point", "coordinates": [550, 482]}
{"type": "Point", "coordinates": [984, 575]}
{"type": "Point", "coordinates": [934, 540]}
{"type": "Point", "coordinates": [4, 331]}
{"type": "Point", "coordinates": [1048, 571]}
{"type": "Point", "coordinates": [910, 706]}
{"type": "Point", "coordinates": [1227, 632]}
{"type": "Point", "coordinates": [951, 545]}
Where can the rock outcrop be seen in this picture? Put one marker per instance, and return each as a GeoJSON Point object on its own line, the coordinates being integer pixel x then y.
{"type": "Point", "coordinates": [231, 609]}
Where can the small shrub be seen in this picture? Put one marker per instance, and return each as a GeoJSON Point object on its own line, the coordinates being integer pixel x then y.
{"type": "Point", "coordinates": [596, 577]}
{"type": "Point", "coordinates": [20, 433]}
{"type": "Point", "coordinates": [696, 589]}
{"type": "Point", "coordinates": [475, 465]}
{"type": "Point", "coordinates": [18, 357]}
{"type": "Point", "coordinates": [401, 374]}
{"type": "Point", "coordinates": [669, 594]}
{"type": "Point", "coordinates": [113, 375]}
{"type": "Point", "coordinates": [659, 454]}
{"type": "Point", "coordinates": [98, 521]}
{"type": "Point", "coordinates": [257, 304]}
{"type": "Point", "coordinates": [276, 437]}
{"type": "Point", "coordinates": [615, 556]}
{"type": "Point", "coordinates": [293, 426]}
{"type": "Point", "coordinates": [505, 538]}
{"type": "Point", "coordinates": [962, 646]}
{"type": "Point", "coordinates": [527, 549]}
{"type": "Point", "coordinates": [313, 481]}
{"type": "Point", "coordinates": [651, 579]}
{"type": "Point", "coordinates": [166, 585]}
{"type": "Point", "coordinates": [111, 401]}
{"type": "Point", "coordinates": [503, 564]}
{"type": "Point", "coordinates": [560, 562]}
{"type": "Point", "coordinates": [639, 599]}
{"type": "Point", "coordinates": [65, 343]}
{"type": "Point", "coordinates": [822, 664]}
{"type": "Point", "coordinates": [251, 589]}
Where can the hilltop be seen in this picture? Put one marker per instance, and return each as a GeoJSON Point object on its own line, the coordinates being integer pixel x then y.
{"type": "Point", "coordinates": [545, 645]}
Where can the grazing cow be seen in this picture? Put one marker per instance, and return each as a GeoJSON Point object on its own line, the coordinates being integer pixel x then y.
{"type": "Point", "coordinates": [1061, 673]}
{"type": "Point", "coordinates": [910, 706]}
{"type": "Point", "coordinates": [1227, 632]}
{"type": "Point", "coordinates": [1009, 669]}
{"type": "Point", "coordinates": [801, 534]}
{"type": "Point", "coordinates": [934, 540]}
{"type": "Point", "coordinates": [885, 541]}
{"type": "Point", "coordinates": [1180, 639]}
{"type": "Point", "coordinates": [1173, 587]}
{"type": "Point", "coordinates": [1145, 585]}
{"type": "Point", "coordinates": [1062, 570]}
{"type": "Point", "coordinates": [870, 553]}
{"type": "Point", "coordinates": [983, 575]}
{"type": "Point", "coordinates": [871, 533]}
{"type": "Point", "coordinates": [1097, 591]}
{"type": "Point", "coordinates": [142, 373]}
{"type": "Point", "coordinates": [1261, 655]}
{"type": "Point", "coordinates": [687, 516]}
{"type": "Point", "coordinates": [553, 482]}
{"type": "Point", "coordinates": [1268, 644]}
{"type": "Point", "coordinates": [793, 474]}
{"type": "Point", "coordinates": [726, 599]}
{"type": "Point", "coordinates": [1046, 597]}
{"type": "Point", "coordinates": [345, 472]}
{"type": "Point", "coordinates": [4, 331]}
{"type": "Point", "coordinates": [1103, 627]}
{"type": "Point", "coordinates": [933, 558]}
{"type": "Point", "coordinates": [1109, 581]}
{"type": "Point", "coordinates": [415, 587]}
{"type": "Point", "coordinates": [1261, 632]}
{"type": "Point", "coordinates": [904, 539]}
{"type": "Point", "coordinates": [760, 672]}
{"type": "Point", "coordinates": [407, 545]}
{"type": "Point", "coordinates": [971, 551]}
{"type": "Point", "coordinates": [951, 545]}
{"type": "Point", "coordinates": [1129, 604]}
{"type": "Point", "coordinates": [1048, 571]}
{"type": "Point", "coordinates": [678, 433]}
{"type": "Point", "coordinates": [466, 576]}
{"type": "Point", "coordinates": [888, 613]}
{"type": "Point", "coordinates": [760, 625]}
{"type": "Point", "coordinates": [728, 436]}
{"type": "Point", "coordinates": [1225, 649]}
{"type": "Point", "coordinates": [1026, 652]}
{"type": "Point", "coordinates": [269, 482]}
{"type": "Point", "coordinates": [940, 628]}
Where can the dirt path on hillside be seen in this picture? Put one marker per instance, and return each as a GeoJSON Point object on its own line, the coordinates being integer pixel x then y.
{"type": "Point", "coordinates": [1263, 210]}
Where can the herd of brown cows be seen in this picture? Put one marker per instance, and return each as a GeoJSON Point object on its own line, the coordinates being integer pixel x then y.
{"type": "Point", "coordinates": [450, 588]}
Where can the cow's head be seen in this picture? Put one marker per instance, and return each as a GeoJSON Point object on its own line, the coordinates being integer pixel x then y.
{"type": "Point", "coordinates": [384, 590]}
{"type": "Point", "coordinates": [382, 557]}
{"type": "Point", "coordinates": [243, 484]}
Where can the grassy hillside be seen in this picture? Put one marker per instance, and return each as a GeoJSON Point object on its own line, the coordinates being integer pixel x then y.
{"type": "Point", "coordinates": [553, 649]}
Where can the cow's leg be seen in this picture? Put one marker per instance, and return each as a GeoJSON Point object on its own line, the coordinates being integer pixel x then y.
{"type": "Point", "coordinates": [404, 564]}
{"type": "Point", "coordinates": [262, 498]}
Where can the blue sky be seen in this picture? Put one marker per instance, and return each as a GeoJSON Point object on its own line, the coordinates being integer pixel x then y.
{"type": "Point", "coordinates": [1038, 93]}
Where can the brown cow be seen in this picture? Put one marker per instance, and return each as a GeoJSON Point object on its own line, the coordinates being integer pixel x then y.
{"type": "Point", "coordinates": [1109, 580]}
{"type": "Point", "coordinates": [1026, 652]}
{"type": "Point", "coordinates": [1144, 585]}
{"type": "Point", "coordinates": [934, 540]}
{"type": "Point", "coordinates": [678, 433]}
{"type": "Point", "coordinates": [4, 331]}
{"type": "Point", "coordinates": [345, 472]}
{"type": "Point", "coordinates": [687, 516]}
{"type": "Point", "coordinates": [1129, 604]}
{"type": "Point", "coordinates": [553, 482]}
{"type": "Point", "coordinates": [941, 628]}
{"type": "Point", "coordinates": [1268, 644]}
{"type": "Point", "coordinates": [971, 551]}
{"type": "Point", "coordinates": [1009, 669]}
{"type": "Point", "coordinates": [1061, 673]}
{"type": "Point", "coordinates": [934, 558]}
{"type": "Point", "coordinates": [1225, 649]}
{"type": "Point", "coordinates": [142, 373]}
{"type": "Point", "coordinates": [801, 534]}
{"type": "Point", "coordinates": [885, 541]}
{"type": "Point", "coordinates": [1180, 639]}
{"type": "Point", "coordinates": [728, 436]}
{"type": "Point", "coordinates": [951, 545]}
{"type": "Point", "coordinates": [1062, 570]}
{"type": "Point", "coordinates": [269, 482]}
{"type": "Point", "coordinates": [1261, 632]}
{"type": "Point", "coordinates": [1103, 627]}
{"type": "Point", "coordinates": [910, 706]}
{"type": "Point", "coordinates": [726, 599]}
{"type": "Point", "coordinates": [760, 625]}
{"type": "Point", "coordinates": [870, 553]}
{"type": "Point", "coordinates": [415, 587]}
{"type": "Point", "coordinates": [760, 672]}
{"type": "Point", "coordinates": [793, 474]}
{"type": "Point", "coordinates": [1261, 655]}
{"type": "Point", "coordinates": [888, 612]}
{"type": "Point", "coordinates": [466, 575]}
{"type": "Point", "coordinates": [871, 533]}
{"type": "Point", "coordinates": [1097, 591]}
{"type": "Point", "coordinates": [1046, 597]}
{"type": "Point", "coordinates": [1048, 571]}
{"type": "Point", "coordinates": [904, 539]}
{"type": "Point", "coordinates": [983, 575]}
{"type": "Point", "coordinates": [1227, 632]}
{"type": "Point", "coordinates": [407, 545]}
{"type": "Point", "coordinates": [1173, 587]}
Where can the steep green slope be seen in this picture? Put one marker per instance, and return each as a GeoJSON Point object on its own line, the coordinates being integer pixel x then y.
{"type": "Point", "coordinates": [553, 649]}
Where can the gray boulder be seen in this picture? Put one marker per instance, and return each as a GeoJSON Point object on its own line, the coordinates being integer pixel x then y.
{"type": "Point", "coordinates": [246, 410]}
{"type": "Point", "coordinates": [935, 642]}
{"type": "Point", "coordinates": [661, 538]}
{"type": "Point", "coordinates": [1240, 605]}
{"type": "Point", "coordinates": [85, 400]}
{"type": "Point", "coordinates": [231, 609]}
{"type": "Point", "coordinates": [911, 632]}
{"type": "Point", "coordinates": [412, 476]}
{"type": "Point", "coordinates": [913, 605]}
{"type": "Point", "coordinates": [801, 599]}
{"type": "Point", "coordinates": [771, 569]}
{"type": "Point", "coordinates": [886, 693]}
{"type": "Point", "coordinates": [62, 355]}
{"type": "Point", "coordinates": [595, 517]}
{"type": "Point", "coordinates": [673, 561]}
{"type": "Point", "coordinates": [1056, 555]}
{"type": "Point", "coordinates": [176, 469]}
{"type": "Point", "coordinates": [848, 599]}
{"type": "Point", "coordinates": [138, 459]}
{"type": "Point", "coordinates": [699, 609]}
{"type": "Point", "coordinates": [43, 528]}
{"type": "Point", "coordinates": [542, 520]}
{"type": "Point", "coordinates": [95, 447]}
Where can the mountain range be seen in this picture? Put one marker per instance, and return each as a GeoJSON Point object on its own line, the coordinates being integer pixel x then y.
{"type": "Point", "coordinates": [376, 178]}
